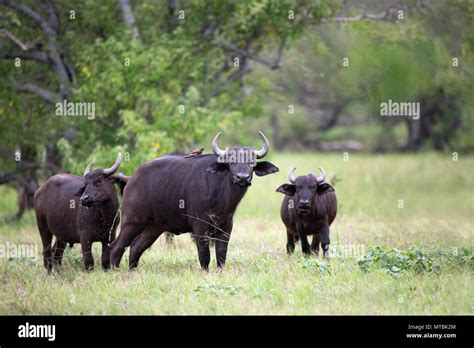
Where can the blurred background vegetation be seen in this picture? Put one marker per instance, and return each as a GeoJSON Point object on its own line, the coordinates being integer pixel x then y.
{"type": "Point", "coordinates": [166, 75]}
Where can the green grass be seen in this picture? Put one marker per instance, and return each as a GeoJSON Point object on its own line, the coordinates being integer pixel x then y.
{"type": "Point", "coordinates": [432, 235]}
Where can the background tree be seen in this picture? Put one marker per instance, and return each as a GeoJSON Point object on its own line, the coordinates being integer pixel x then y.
{"type": "Point", "coordinates": [337, 75]}
{"type": "Point", "coordinates": [167, 75]}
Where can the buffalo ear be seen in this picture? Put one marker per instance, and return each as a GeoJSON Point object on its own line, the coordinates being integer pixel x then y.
{"type": "Point", "coordinates": [324, 188]}
{"type": "Point", "coordinates": [217, 168]}
{"type": "Point", "coordinates": [121, 180]}
{"type": "Point", "coordinates": [80, 191]}
{"type": "Point", "coordinates": [264, 168]}
{"type": "Point", "coordinates": [287, 189]}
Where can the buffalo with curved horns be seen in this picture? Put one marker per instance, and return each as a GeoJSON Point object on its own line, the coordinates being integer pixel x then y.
{"type": "Point", "coordinates": [180, 194]}
{"type": "Point", "coordinates": [78, 209]}
{"type": "Point", "coordinates": [309, 208]}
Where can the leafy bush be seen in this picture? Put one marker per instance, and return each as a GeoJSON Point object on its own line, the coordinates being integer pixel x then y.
{"type": "Point", "coordinates": [394, 261]}
{"type": "Point", "coordinates": [322, 267]}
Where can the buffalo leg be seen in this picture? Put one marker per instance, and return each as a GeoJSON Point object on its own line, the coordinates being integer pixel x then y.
{"type": "Point", "coordinates": [58, 251]}
{"type": "Point", "coordinates": [325, 241]}
{"type": "Point", "coordinates": [140, 244]}
{"type": "Point", "coordinates": [86, 246]}
{"type": "Point", "coordinates": [290, 242]}
{"type": "Point", "coordinates": [46, 239]}
{"type": "Point", "coordinates": [204, 253]}
{"type": "Point", "coordinates": [222, 242]}
{"type": "Point", "coordinates": [315, 243]}
{"type": "Point", "coordinates": [105, 258]}
{"type": "Point", "coordinates": [200, 234]}
{"type": "Point", "coordinates": [304, 238]}
{"type": "Point", "coordinates": [127, 235]}
{"type": "Point", "coordinates": [106, 245]}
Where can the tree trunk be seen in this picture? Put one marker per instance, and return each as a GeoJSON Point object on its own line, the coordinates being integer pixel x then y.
{"type": "Point", "coordinates": [173, 8]}
{"type": "Point", "coordinates": [29, 182]}
{"type": "Point", "coordinates": [275, 125]}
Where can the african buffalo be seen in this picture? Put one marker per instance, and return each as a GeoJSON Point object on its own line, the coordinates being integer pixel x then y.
{"type": "Point", "coordinates": [180, 194]}
{"type": "Point", "coordinates": [309, 207]}
{"type": "Point", "coordinates": [95, 218]}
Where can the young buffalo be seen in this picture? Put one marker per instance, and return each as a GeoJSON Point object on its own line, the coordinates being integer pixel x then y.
{"type": "Point", "coordinates": [91, 218]}
{"type": "Point", "coordinates": [309, 207]}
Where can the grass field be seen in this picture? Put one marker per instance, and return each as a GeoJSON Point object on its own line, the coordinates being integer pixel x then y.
{"type": "Point", "coordinates": [418, 208]}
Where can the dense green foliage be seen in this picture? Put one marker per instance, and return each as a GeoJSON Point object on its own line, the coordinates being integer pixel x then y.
{"type": "Point", "coordinates": [164, 92]}
{"type": "Point", "coordinates": [425, 57]}
{"type": "Point", "coordinates": [176, 86]}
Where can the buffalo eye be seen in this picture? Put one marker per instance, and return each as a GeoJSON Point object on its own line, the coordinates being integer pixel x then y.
{"type": "Point", "coordinates": [298, 187]}
{"type": "Point", "coordinates": [98, 182]}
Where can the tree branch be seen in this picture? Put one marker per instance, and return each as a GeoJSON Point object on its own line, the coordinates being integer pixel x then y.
{"type": "Point", "coordinates": [53, 18]}
{"type": "Point", "coordinates": [36, 165]}
{"type": "Point", "coordinates": [25, 46]}
{"type": "Point", "coordinates": [25, 52]}
{"type": "Point", "coordinates": [334, 113]}
{"type": "Point", "coordinates": [173, 7]}
{"type": "Point", "coordinates": [129, 18]}
{"type": "Point", "coordinates": [233, 77]}
{"type": "Point", "coordinates": [54, 57]}
{"type": "Point", "coordinates": [37, 56]}
{"type": "Point", "coordinates": [247, 54]}
{"type": "Point", "coordinates": [12, 176]}
{"type": "Point", "coordinates": [7, 177]}
{"type": "Point", "coordinates": [24, 9]}
{"type": "Point", "coordinates": [30, 164]}
{"type": "Point", "coordinates": [244, 68]}
{"type": "Point", "coordinates": [46, 94]}
{"type": "Point", "coordinates": [387, 15]}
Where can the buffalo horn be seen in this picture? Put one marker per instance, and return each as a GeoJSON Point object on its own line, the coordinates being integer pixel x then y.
{"type": "Point", "coordinates": [88, 169]}
{"type": "Point", "coordinates": [266, 145]}
{"type": "Point", "coordinates": [322, 177]}
{"type": "Point", "coordinates": [215, 148]}
{"type": "Point", "coordinates": [291, 175]}
{"type": "Point", "coordinates": [113, 169]}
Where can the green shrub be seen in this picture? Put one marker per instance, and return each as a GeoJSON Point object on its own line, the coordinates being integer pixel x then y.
{"type": "Point", "coordinates": [321, 266]}
{"type": "Point", "coordinates": [395, 261]}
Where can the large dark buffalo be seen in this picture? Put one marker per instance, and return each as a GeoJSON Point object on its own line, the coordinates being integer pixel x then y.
{"type": "Point", "coordinates": [180, 194]}
{"type": "Point", "coordinates": [91, 218]}
{"type": "Point", "coordinates": [309, 208]}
